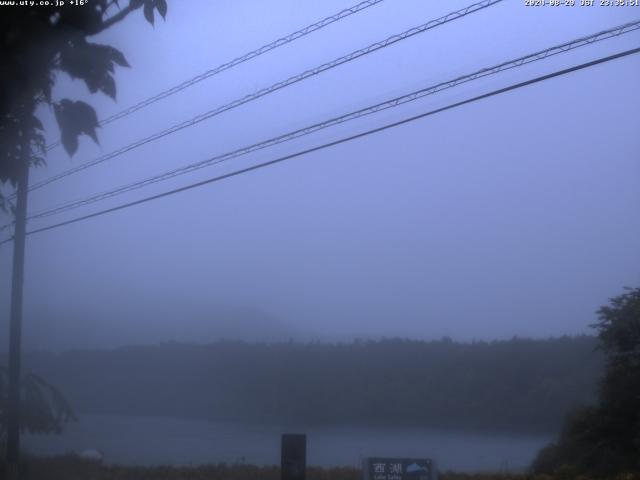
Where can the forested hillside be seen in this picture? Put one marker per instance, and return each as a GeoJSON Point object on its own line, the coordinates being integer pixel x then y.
{"type": "Point", "coordinates": [519, 384]}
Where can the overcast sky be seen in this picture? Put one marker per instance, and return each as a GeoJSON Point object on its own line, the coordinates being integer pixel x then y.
{"type": "Point", "coordinates": [516, 215]}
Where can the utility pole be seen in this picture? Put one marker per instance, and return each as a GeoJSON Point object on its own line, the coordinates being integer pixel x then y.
{"type": "Point", "coordinates": [15, 329]}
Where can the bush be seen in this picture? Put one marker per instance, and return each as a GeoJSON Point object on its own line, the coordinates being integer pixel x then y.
{"type": "Point", "coordinates": [604, 440]}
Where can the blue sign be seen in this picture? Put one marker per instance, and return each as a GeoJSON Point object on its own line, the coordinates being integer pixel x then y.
{"type": "Point", "coordinates": [399, 469]}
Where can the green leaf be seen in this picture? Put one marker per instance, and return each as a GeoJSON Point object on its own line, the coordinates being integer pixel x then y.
{"type": "Point", "coordinates": [74, 119]}
{"type": "Point", "coordinates": [69, 142]}
{"type": "Point", "coordinates": [118, 57]}
{"type": "Point", "coordinates": [93, 63]}
{"type": "Point", "coordinates": [148, 11]}
{"type": "Point", "coordinates": [161, 6]}
{"type": "Point", "coordinates": [109, 86]}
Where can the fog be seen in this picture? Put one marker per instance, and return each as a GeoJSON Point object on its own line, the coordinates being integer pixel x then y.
{"type": "Point", "coordinates": [512, 216]}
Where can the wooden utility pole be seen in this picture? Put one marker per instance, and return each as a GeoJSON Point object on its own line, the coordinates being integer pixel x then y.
{"type": "Point", "coordinates": [15, 329]}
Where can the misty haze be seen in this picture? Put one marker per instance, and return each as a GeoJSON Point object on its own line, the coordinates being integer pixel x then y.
{"type": "Point", "coordinates": [407, 230]}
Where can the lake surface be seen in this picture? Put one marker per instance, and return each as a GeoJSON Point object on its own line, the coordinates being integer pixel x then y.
{"type": "Point", "coordinates": [153, 440]}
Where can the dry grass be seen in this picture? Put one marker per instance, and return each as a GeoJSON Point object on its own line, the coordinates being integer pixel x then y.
{"type": "Point", "coordinates": [73, 468]}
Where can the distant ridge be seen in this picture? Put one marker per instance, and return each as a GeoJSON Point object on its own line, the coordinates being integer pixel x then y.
{"type": "Point", "coordinates": [177, 320]}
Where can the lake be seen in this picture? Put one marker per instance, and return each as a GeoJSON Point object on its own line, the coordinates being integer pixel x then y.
{"type": "Point", "coordinates": [153, 440]}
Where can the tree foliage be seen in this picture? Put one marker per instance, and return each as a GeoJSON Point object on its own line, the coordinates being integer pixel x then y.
{"type": "Point", "coordinates": [36, 44]}
{"type": "Point", "coordinates": [605, 438]}
{"type": "Point", "coordinates": [43, 409]}
{"type": "Point", "coordinates": [520, 384]}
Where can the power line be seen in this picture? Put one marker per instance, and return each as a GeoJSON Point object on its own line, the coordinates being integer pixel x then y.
{"type": "Point", "coordinates": [237, 61]}
{"type": "Point", "coordinates": [567, 46]}
{"type": "Point", "coordinates": [277, 86]}
{"type": "Point", "coordinates": [524, 60]}
{"type": "Point", "coordinates": [341, 141]}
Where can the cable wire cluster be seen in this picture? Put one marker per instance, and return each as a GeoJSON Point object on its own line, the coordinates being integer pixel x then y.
{"type": "Point", "coordinates": [404, 121]}
{"type": "Point", "coordinates": [410, 97]}
{"type": "Point", "coordinates": [237, 61]}
{"type": "Point", "coordinates": [391, 103]}
{"type": "Point", "coordinates": [275, 87]}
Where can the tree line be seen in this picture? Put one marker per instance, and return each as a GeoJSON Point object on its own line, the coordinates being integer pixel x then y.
{"type": "Point", "coordinates": [518, 385]}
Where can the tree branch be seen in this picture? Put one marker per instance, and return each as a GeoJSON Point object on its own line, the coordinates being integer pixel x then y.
{"type": "Point", "coordinates": [118, 17]}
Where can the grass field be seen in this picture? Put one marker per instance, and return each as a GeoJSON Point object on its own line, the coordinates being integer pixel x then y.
{"type": "Point", "coordinates": [73, 468]}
